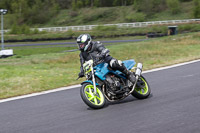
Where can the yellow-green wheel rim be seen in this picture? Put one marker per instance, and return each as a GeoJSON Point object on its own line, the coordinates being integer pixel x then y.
{"type": "Point", "coordinates": [144, 90]}
{"type": "Point", "coordinates": [97, 99]}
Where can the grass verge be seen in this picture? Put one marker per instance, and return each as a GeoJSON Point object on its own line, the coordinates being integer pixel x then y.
{"type": "Point", "coordinates": [35, 72]}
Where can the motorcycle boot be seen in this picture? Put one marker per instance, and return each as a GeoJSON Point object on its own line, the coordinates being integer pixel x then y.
{"type": "Point", "coordinates": [118, 65]}
{"type": "Point", "coordinates": [129, 75]}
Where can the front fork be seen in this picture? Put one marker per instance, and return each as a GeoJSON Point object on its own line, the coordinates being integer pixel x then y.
{"type": "Point", "coordinates": [94, 82]}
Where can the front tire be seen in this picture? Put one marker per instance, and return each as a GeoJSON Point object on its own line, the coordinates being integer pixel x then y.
{"type": "Point", "coordinates": [88, 96]}
{"type": "Point", "coordinates": [142, 92]}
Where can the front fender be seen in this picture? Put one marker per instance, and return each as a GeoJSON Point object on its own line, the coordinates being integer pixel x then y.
{"type": "Point", "coordinates": [88, 81]}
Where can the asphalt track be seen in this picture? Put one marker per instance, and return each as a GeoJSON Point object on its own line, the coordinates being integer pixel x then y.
{"type": "Point", "coordinates": [173, 107]}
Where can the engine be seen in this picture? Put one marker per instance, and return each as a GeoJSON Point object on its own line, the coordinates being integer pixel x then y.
{"type": "Point", "coordinates": [115, 87]}
{"type": "Point", "coordinates": [113, 82]}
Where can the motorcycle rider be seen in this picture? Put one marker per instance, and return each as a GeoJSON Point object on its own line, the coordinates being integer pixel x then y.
{"type": "Point", "coordinates": [96, 51]}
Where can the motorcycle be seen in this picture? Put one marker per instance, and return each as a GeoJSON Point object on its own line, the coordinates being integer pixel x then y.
{"type": "Point", "coordinates": [103, 84]}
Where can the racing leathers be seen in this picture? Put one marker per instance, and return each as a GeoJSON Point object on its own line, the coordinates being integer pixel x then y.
{"type": "Point", "coordinates": [98, 53]}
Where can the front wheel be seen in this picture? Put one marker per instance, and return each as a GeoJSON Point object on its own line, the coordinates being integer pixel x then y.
{"type": "Point", "coordinates": [142, 89]}
{"type": "Point", "coordinates": [95, 101]}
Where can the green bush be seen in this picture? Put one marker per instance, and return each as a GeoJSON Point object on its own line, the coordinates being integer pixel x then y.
{"type": "Point", "coordinates": [136, 17]}
{"type": "Point", "coordinates": [196, 9]}
{"type": "Point", "coordinates": [79, 4]}
{"type": "Point", "coordinates": [174, 6]}
{"type": "Point", "coordinates": [36, 31]}
{"type": "Point", "coordinates": [189, 27]}
{"type": "Point", "coordinates": [93, 15]}
{"type": "Point", "coordinates": [15, 29]}
{"type": "Point", "coordinates": [149, 6]}
{"type": "Point", "coordinates": [158, 29]}
{"type": "Point", "coordinates": [185, 0]}
{"type": "Point", "coordinates": [23, 29]}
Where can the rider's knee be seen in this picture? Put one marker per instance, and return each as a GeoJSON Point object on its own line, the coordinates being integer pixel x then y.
{"type": "Point", "coordinates": [114, 63]}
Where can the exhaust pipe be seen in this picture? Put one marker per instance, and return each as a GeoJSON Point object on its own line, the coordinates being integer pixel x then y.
{"type": "Point", "coordinates": [138, 69]}
{"type": "Point", "coordinates": [137, 75]}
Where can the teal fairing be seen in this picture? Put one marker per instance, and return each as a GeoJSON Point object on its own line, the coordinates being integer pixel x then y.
{"type": "Point", "coordinates": [102, 69]}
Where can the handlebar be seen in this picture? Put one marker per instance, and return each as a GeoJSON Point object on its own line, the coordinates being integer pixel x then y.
{"type": "Point", "coordinates": [78, 78]}
{"type": "Point", "coordinates": [98, 59]}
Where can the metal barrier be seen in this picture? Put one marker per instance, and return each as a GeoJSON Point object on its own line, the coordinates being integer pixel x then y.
{"type": "Point", "coordinates": [131, 25]}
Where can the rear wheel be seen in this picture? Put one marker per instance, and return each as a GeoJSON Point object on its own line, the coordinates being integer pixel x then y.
{"type": "Point", "coordinates": [143, 90]}
{"type": "Point", "coordinates": [95, 101]}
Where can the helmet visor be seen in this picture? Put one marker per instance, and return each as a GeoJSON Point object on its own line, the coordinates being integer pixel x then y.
{"type": "Point", "coordinates": [81, 45]}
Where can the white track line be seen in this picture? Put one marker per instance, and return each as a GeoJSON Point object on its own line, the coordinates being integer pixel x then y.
{"type": "Point", "coordinates": [172, 66]}
{"type": "Point", "coordinates": [75, 86]}
{"type": "Point", "coordinates": [40, 93]}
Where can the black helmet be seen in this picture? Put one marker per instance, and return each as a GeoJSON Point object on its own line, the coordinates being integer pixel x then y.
{"type": "Point", "coordinates": [84, 42]}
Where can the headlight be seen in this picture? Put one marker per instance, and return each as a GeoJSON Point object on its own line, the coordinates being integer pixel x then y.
{"type": "Point", "coordinates": [89, 75]}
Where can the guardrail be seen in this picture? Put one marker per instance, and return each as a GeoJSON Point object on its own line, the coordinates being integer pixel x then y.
{"type": "Point", "coordinates": [131, 25]}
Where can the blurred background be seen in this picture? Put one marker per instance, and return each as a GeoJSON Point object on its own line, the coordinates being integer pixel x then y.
{"type": "Point", "coordinates": [23, 15]}
{"type": "Point", "coordinates": [42, 34]}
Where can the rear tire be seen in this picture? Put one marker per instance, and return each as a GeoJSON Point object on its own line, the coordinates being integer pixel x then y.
{"type": "Point", "coordinates": [142, 93]}
{"type": "Point", "coordinates": [87, 95]}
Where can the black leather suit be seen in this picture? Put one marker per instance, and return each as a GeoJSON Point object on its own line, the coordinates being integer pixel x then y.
{"type": "Point", "coordinates": [100, 54]}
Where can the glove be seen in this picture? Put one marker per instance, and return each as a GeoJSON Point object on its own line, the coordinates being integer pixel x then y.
{"type": "Point", "coordinates": [99, 57]}
{"type": "Point", "coordinates": [81, 74]}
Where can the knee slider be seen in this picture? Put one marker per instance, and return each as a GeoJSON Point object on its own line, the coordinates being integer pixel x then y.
{"type": "Point", "coordinates": [114, 63]}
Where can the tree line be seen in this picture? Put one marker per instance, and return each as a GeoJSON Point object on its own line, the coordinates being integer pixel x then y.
{"type": "Point", "coordinates": [21, 6]}
{"type": "Point", "coordinates": [63, 4]}
{"type": "Point", "coordinates": [40, 11]}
